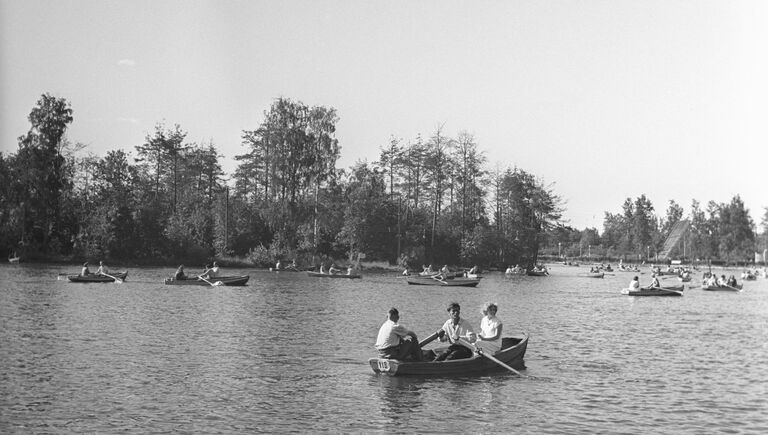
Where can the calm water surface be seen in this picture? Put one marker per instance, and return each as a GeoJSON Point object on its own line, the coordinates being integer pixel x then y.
{"type": "Point", "coordinates": [288, 353]}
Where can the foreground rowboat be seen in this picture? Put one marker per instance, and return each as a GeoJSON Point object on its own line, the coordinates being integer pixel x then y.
{"type": "Point", "coordinates": [451, 282]}
{"type": "Point", "coordinates": [512, 353]}
{"type": "Point", "coordinates": [98, 278]}
{"type": "Point", "coordinates": [675, 290]}
{"type": "Point", "coordinates": [225, 280]}
{"type": "Point", "coordinates": [722, 288]}
{"type": "Point", "coordinates": [334, 275]}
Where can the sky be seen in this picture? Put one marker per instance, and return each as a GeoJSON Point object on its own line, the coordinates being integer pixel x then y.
{"type": "Point", "coordinates": [603, 100]}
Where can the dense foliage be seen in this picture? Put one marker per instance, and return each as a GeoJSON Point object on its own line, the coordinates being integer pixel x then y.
{"type": "Point", "coordinates": [427, 200]}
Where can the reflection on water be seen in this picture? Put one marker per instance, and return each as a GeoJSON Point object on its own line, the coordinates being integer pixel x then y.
{"type": "Point", "coordinates": [288, 353]}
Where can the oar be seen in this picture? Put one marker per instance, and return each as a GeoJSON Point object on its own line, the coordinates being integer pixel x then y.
{"type": "Point", "coordinates": [733, 288]}
{"type": "Point", "coordinates": [117, 280]}
{"type": "Point", "coordinates": [492, 358]}
{"type": "Point", "coordinates": [429, 339]}
{"type": "Point", "coordinates": [437, 278]}
{"type": "Point", "coordinates": [211, 283]}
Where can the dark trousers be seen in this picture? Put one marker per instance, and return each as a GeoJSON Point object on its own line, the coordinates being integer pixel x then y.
{"type": "Point", "coordinates": [407, 349]}
{"type": "Point", "coordinates": [454, 351]}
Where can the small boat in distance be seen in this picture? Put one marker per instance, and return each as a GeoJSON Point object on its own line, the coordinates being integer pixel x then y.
{"type": "Point", "coordinates": [675, 290]}
{"type": "Point", "coordinates": [725, 288]}
{"type": "Point", "coordinates": [592, 275]}
{"type": "Point", "coordinates": [449, 282]}
{"type": "Point", "coordinates": [333, 275]}
{"type": "Point", "coordinates": [237, 280]}
{"type": "Point", "coordinates": [95, 277]}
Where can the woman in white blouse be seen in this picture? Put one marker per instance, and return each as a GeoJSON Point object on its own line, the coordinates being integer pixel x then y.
{"type": "Point", "coordinates": [489, 339]}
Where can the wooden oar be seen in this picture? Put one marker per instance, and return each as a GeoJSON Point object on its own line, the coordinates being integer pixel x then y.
{"type": "Point", "coordinates": [117, 280]}
{"type": "Point", "coordinates": [733, 288]}
{"type": "Point", "coordinates": [492, 358]}
{"type": "Point", "coordinates": [437, 278]}
{"type": "Point", "coordinates": [429, 339]}
{"type": "Point", "coordinates": [211, 283]}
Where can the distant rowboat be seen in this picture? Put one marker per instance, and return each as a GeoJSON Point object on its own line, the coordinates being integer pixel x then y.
{"type": "Point", "coordinates": [450, 282]}
{"type": "Point", "coordinates": [676, 290]}
{"type": "Point", "coordinates": [94, 277]}
{"type": "Point", "coordinates": [237, 280]}
{"type": "Point", "coordinates": [333, 275]}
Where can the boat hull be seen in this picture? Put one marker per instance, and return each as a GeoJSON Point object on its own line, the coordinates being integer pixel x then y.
{"type": "Point", "coordinates": [97, 278]}
{"type": "Point", "coordinates": [239, 280]}
{"type": "Point", "coordinates": [661, 291]}
{"type": "Point", "coordinates": [335, 275]}
{"type": "Point", "coordinates": [512, 355]}
{"type": "Point", "coordinates": [451, 282]}
{"type": "Point", "coordinates": [592, 275]}
{"type": "Point", "coordinates": [737, 288]}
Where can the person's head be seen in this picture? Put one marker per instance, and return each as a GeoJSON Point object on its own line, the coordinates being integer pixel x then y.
{"type": "Point", "coordinates": [181, 267]}
{"type": "Point", "coordinates": [215, 265]}
{"type": "Point", "coordinates": [653, 275]}
{"type": "Point", "coordinates": [393, 314]}
{"type": "Point", "coordinates": [635, 278]}
{"type": "Point", "coordinates": [85, 264]}
{"type": "Point", "coordinates": [101, 263]}
{"type": "Point", "coordinates": [454, 310]}
{"type": "Point", "coordinates": [490, 308]}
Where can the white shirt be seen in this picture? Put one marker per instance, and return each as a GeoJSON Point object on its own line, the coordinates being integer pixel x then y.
{"type": "Point", "coordinates": [634, 285]}
{"type": "Point", "coordinates": [454, 332]}
{"type": "Point", "coordinates": [489, 327]}
{"type": "Point", "coordinates": [389, 334]}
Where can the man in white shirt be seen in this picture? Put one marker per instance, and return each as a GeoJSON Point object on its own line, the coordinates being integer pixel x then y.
{"type": "Point", "coordinates": [397, 342]}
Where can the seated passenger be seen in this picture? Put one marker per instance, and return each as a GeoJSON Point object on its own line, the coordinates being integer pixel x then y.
{"type": "Point", "coordinates": [395, 341]}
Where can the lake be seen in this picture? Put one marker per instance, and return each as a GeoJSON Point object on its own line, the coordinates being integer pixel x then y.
{"type": "Point", "coordinates": [288, 353]}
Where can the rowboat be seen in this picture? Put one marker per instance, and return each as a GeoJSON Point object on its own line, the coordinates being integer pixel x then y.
{"type": "Point", "coordinates": [334, 275]}
{"type": "Point", "coordinates": [225, 280]}
{"type": "Point", "coordinates": [537, 273]}
{"type": "Point", "coordinates": [450, 282]}
{"type": "Point", "coordinates": [13, 259]}
{"type": "Point", "coordinates": [97, 277]}
{"type": "Point", "coordinates": [674, 290]}
{"type": "Point", "coordinates": [724, 288]}
{"type": "Point", "coordinates": [511, 354]}
{"type": "Point", "coordinates": [592, 275]}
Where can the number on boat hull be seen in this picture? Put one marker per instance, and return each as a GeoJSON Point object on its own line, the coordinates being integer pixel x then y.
{"type": "Point", "coordinates": [383, 365]}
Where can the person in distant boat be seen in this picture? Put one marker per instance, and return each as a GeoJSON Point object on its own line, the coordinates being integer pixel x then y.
{"type": "Point", "coordinates": [293, 265]}
{"type": "Point", "coordinates": [654, 282]}
{"type": "Point", "coordinates": [445, 272]}
{"type": "Point", "coordinates": [473, 271]}
{"type": "Point", "coordinates": [509, 270]}
{"type": "Point", "coordinates": [102, 270]}
{"type": "Point", "coordinates": [489, 338]}
{"type": "Point", "coordinates": [405, 272]}
{"type": "Point", "coordinates": [278, 265]}
{"type": "Point", "coordinates": [731, 281]}
{"type": "Point", "coordinates": [396, 341]}
{"type": "Point", "coordinates": [454, 329]}
{"type": "Point", "coordinates": [721, 281]}
{"type": "Point", "coordinates": [333, 270]}
{"type": "Point", "coordinates": [634, 284]}
{"type": "Point", "coordinates": [85, 271]}
{"type": "Point", "coordinates": [211, 272]}
{"type": "Point", "coordinates": [322, 267]}
{"type": "Point", "coordinates": [180, 275]}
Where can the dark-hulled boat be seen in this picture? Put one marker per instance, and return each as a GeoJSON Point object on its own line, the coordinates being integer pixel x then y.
{"type": "Point", "coordinates": [673, 290]}
{"type": "Point", "coordinates": [537, 273]}
{"type": "Point", "coordinates": [450, 282]}
{"type": "Point", "coordinates": [722, 288]}
{"type": "Point", "coordinates": [225, 280]}
{"type": "Point", "coordinates": [512, 353]}
{"type": "Point", "coordinates": [94, 277]}
{"type": "Point", "coordinates": [333, 275]}
{"type": "Point", "coordinates": [592, 275]}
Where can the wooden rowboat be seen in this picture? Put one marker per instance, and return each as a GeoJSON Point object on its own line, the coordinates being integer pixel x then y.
{"type": "Point", "coordinates": [537, 273]}
{"type": "Point", "coordinates": [512, 353]}
{"type": "Point", "coordinates": [225, 280]}
{"type": "Point", "coordinates": [333, 275]}
{"type": "Point", "coordinates": [675, 290]}
{"type": "Point", "coordinates": [98, 278]}
{"type": "Point", "coordinates": [725, 288]}
{"type": "Point", "coordinates": [450, 282]}
{"type": "Point", "coordinates": [592, 275]}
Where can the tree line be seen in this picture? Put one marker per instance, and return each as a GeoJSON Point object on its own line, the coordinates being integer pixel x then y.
{"type": "Point", "coordinates": [423, 200]}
